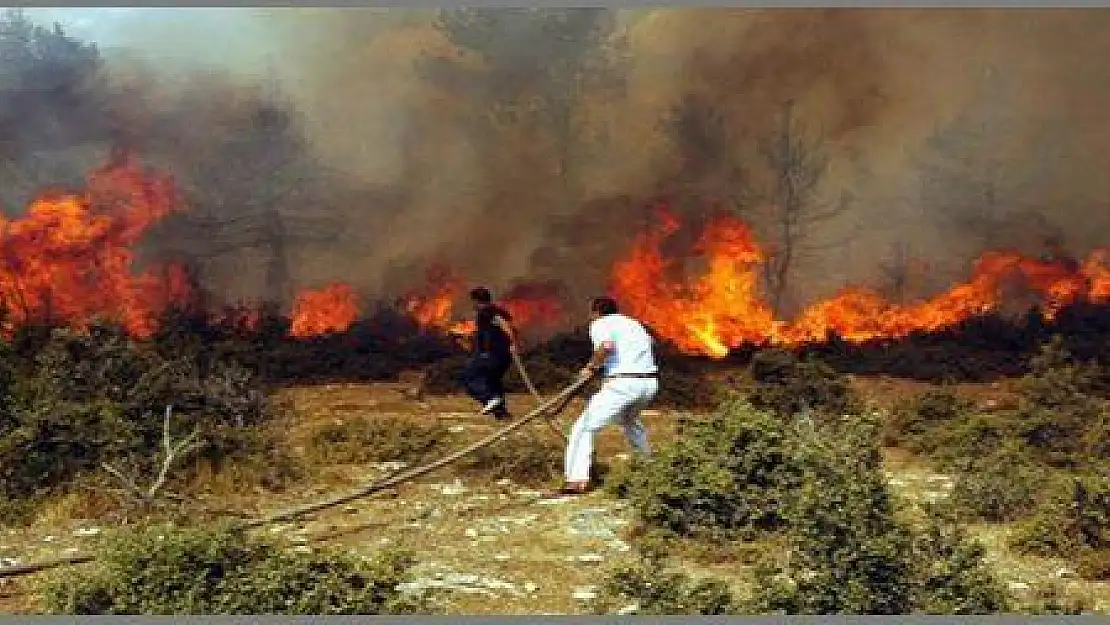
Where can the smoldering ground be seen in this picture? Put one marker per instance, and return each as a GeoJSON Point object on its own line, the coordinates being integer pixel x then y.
{"type": "Point", "coordinates": [928, 115]}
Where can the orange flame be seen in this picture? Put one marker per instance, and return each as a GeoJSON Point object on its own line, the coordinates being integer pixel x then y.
{"type": "Point", "coordinates": [724, 308]}
{"type": "Point", "coordinates": [69, 259]}
{"type": "Point", "coordinates": [330, 309]}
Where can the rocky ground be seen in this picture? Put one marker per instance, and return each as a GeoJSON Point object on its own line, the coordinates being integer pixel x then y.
{"type": "Point", "coordinates": [486, 546]}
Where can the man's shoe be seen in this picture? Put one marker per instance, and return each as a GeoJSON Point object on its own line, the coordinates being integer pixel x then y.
{"type": "Point", "coordinates": [492, 405]}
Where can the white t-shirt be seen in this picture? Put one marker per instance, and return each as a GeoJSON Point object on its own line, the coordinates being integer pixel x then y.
{"type": "Point", "coordinates": [633, 353]}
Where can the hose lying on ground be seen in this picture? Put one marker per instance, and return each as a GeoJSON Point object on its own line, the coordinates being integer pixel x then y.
{"type": "Point", "coordinates": [554, 405]}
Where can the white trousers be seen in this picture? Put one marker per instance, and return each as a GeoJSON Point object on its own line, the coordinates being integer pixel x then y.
{"type": "Point", "coordinates": [619, 401]}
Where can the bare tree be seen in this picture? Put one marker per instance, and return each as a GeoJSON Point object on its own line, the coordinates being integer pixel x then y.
{"type": "Point", "coordinates": [710, 171]}
{"type": "Point", "coordinates": [796, 166]}
{"type": "Point", "coordinates": [535, 67]}
{"type": "Point", "coordinates": [255, 188]}
{"type": "Point", "coordinates": [173, 451]}
{"type": "Point", "coordinates": [984, 176]}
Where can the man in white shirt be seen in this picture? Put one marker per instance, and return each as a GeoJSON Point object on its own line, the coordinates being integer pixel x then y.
{"type": "Point", "coordinates": [624, 354]}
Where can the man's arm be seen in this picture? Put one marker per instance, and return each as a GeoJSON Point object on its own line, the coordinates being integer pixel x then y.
{"type": "Point", "coordinates": [602, 338]}
{"type": "Point", "coordinates": [509, 330]}
{"type": "Point", "coordinates": [597, 359]}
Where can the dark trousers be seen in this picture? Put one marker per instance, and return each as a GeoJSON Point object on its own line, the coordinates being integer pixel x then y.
{"type": "Point", "coordinates": [483, 378]}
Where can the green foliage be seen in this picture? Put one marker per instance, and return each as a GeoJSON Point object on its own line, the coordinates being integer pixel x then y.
{"type": "Point", "coordinates": [729, 473]}
{"type": "Point", "coordinates": [81, 399]}
{"type": "Point", "coordinates": [378, 439]}
{"type": "Point", "coordinates": [223, 571]}
{"type": "Point", "coordinates": [525, 457]}
{"type": "Point", "coordinates": [654, 590]}
{"type": "Point", "coordinates": [1073, 524]}
{"type": "Point", "coordinates": [850, 553]}
{"type": "Point", "coordinates": [952, 574]}
{"type": "Point", "coordinates": [789, 386]}
{"type": "Point", "coordinates": [1001, 485]}
{"type": "Point", "coordinates": [913, 421]}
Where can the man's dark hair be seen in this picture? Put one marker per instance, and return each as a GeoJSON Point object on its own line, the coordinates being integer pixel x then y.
{"type": "Point", "coordinates": [481, 295]}
{"type": "Point", "coordinates": [604, 306]}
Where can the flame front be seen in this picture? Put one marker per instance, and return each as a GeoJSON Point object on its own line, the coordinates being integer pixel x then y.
{"type": "Point", "coordinates": [330, 309]}
{"type": "Point", "coordinates": [724, 308]}
{"type": "Point", "coordinates": [69, 259]}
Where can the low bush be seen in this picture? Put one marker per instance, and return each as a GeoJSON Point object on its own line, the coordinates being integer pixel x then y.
{"type": "Point", "coordinates": [727, 474]}
{"type": "Point", "coordinates": [1073, 525]}
{"type": "Point", "coordinates": [647, 587]}
{"type": "Point", "coordinates": [74, 400]}
{"type": "Point", "coordinates": [851, 553]}
{"type": "Point", "coordinates": [1001, 485]}
{"type": "Point", "coordinates": [789, 386]}
{"type": "Point", "coordinates": [379, 439]}
{"type": "Point", "coordinates": [167, 571]}
{"type": "Point", "coordinates": [524, 457]}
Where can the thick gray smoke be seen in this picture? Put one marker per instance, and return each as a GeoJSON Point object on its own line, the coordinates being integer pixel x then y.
{"type": "Point", "coordinates": [930, 118]}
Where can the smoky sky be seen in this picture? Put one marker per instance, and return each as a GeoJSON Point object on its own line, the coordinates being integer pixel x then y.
{"type": "Point", "coordinates": [1019, 99]}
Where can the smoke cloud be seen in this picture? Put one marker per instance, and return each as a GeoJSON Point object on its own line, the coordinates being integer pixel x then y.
{"type": "Point", "coordinates": [1017, 97]}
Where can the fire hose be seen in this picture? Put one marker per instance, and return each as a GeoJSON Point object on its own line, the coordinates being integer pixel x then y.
{"type": "Point", "coordinates": [532, 389]}
{"type": "Point", "coordinates": [550, 407]}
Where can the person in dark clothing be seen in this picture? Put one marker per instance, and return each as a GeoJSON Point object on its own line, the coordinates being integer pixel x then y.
{"type": "Point", "coordinates": [493, 346]}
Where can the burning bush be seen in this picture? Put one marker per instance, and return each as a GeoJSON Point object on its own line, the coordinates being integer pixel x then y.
{"type": "Point", "coordinates": [223, 571]}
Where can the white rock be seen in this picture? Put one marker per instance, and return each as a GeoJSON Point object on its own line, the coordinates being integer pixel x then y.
{"type": "Point", "coordinates": [47, 539]}
{"type": "Point", "coordinates": [631, 608]}
{"type": "Point", "coordinates": [584, 593]}
{"type": "Point", "coordinates": [591, 557]}
{"type": "Point", "coordinates": [552, 502]}
{"type": "Point", "coordinates": [1065, 573]}
{"type": "Point", "coordinates": [70, 550]}
{"type": "Point", "coordinates": [1018, 586]}
{"type": "Point", "coordinates": [527, 493]}
{"type": "Point", "coordinates": [504, 482]}
{"type": "Point", "coordinates": [502, 557]}
{"type": "Point", "coordinates": [10, 561]}
{"type": "Point", "coordinates": [86, 531]}
{"type": "Point", "coordinates": [623, 457]}
{"type": "Point", "coordinates": [456, 429]}
{"type": "Point", "coordinates": [471, 532]}
{"type": "Point", "coordinates": [619, 545]}
{"type": "Point", "coordinates": [302, 549]}
{"type": "Point", "coordinates": [454, 489]}
{"type": "Point", "coordinates": [530, 588]}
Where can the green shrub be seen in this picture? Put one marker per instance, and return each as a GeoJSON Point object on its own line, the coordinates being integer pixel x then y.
{"type": "Point", "coordinates": [223, 571]}
{"type": "Point", "coordinates": [1000, 486]}
{"type": "Point", "coordinates": [727, 474]}
{"type": "Point", "coordinates": [847, 550]}
{"type": "Point", "coordinates": [525, 457]}
{"type": "Point", "coordinates": [1075, 525]}
{"type": "Point", "coordinates": [649, 588]}
{"type": "Point", "coordinates": [851, 553]}
{"type": "Point", "coordinates": [952, 575]}
{"type": "Point", "coordinates": [379, 439]}
{"type": "Point", "coordinates": [79, 399]}
{"type": "Point", "coordinates": [913, 422]}
{"type": "Point", "coordinates": [789, 386]}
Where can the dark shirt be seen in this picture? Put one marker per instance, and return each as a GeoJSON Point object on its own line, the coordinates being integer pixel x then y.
{"type": "Point", "coordinates": [488, 338]}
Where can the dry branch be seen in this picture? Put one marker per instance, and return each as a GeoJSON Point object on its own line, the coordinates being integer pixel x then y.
{"type": "Point", "coordinates": [171, 451]}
